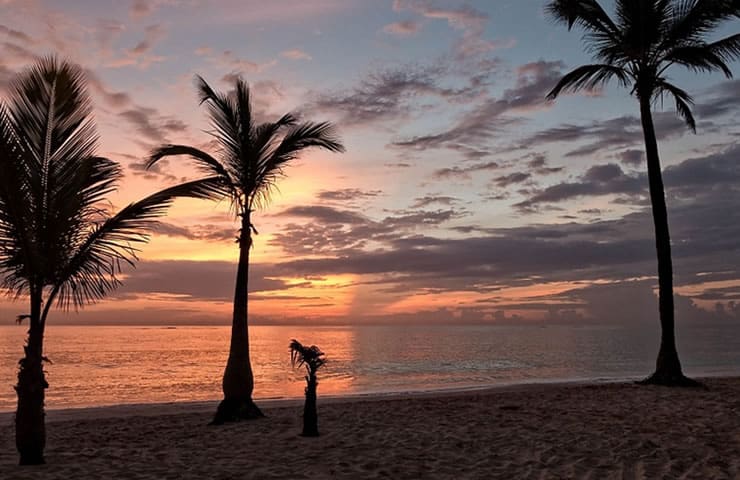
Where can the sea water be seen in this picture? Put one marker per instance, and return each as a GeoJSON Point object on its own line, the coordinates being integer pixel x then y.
{"type": "Point", "coordinates": [106, 365]}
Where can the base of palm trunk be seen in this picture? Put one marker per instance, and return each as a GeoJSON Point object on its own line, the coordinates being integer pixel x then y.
{"type": "Point", "coordinates": [234, 410]}
{"type": "Point", "coordinates": [668, 371]}
{"type": "Point", "coordinates": [31, 458]}
{"type": "Point", "coordinates": [670, 379]}
{"type": "Point", "coordinates": [310, 433]}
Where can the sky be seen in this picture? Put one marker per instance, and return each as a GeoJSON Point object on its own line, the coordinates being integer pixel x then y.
{"type": "Point", "coordinates": [463, 197]}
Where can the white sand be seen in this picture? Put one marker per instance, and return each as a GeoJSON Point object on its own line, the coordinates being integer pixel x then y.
{"type": "Point", "coordinates": [546, 431]}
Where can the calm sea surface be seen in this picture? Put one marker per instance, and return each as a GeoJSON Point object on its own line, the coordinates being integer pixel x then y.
{"type": "Point", "coordinates": [113, 365]}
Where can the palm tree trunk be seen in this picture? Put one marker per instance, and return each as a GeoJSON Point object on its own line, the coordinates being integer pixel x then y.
{"type": "Point", "coordinates": [30, 431]}
{"type": "Point", "coordinates": [238, 380]}
{"type": "Point", "coordinates": [668, 367]}
{"type": "Point", "coordinates": [310, 416]}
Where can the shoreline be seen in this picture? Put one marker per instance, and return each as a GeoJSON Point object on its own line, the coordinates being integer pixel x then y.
{"type": "Point", "coordinates": [566, 430]}
{"type": "Point", "coordinates": [123, 410]}
{"type": "Point", "coordinates": [118, 410]}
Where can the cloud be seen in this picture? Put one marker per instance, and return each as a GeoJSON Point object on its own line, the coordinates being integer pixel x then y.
{"type": "Point", "coordinates": [404, 28]}
{"type": "Point", "coordinates": [141, 8]}
{"type": "Point", "coordinates": [189, 280]}
{"type": "Point", "coordinates": [296, 54]}
{"type": "Point", "coordinates": [234, 64]}
{"type": "Point", "coordinates": [504, 181]}
{"type": "Point", "coordinates": [464, 172]}
{"type": "Point", "coordinates": [16, 35]}
{"type": "Point", "coordinates": [110, 97]}
{"type": "Point", "coordinates": [152, 125]}
{"type": "Point", "coordinates": [392, 93]}
{"type": "Point", "coordinates": [468, 20]}
{"type": "Point", "coordinates": [333, 231]}
{"type": "Point", "coordinates": [473, 132]}
{"type": "Point", "coordinates": [632, 157]}
{"type": "Point", "coordinates": [347, 194]}
{"type": "Point", "coordinates": [141, 54]}
{"type": "Point", "coordinates": [685, 180]}
{"type": "Point", "coordinates": [326, 215]}
{"type": "Point", "coordinates": [425, 201]}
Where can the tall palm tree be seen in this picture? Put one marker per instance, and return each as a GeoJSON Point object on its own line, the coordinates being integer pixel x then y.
{"type": "Point", "coordinates": [312, 358]}
{"type": "Point", "coordinates": [250, 160]}
{"type": "Point", "coordinates": [637, 48]}
{"type": "Point", "coordinates": [58, 244]}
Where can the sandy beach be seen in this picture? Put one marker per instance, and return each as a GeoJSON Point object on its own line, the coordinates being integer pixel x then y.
{"type": "Point", "coordinates": [619, 431]}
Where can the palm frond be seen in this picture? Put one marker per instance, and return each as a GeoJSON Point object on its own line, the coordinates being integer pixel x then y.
{"type": "Point", "coordinates": [727, 49]}
{"type": "Point", "coordinates": [684, 102]}
{"type": "Point", "coordinates": [203, 160]}
{"type": "Point", "coordinates": [310, 357]}
{"type": "Point", "coordinates": [269, 167]}
{"type": "Point", "coordinates": [17, 248]}
{"type": "Point", "coordinates": [265, 135]}
{"type": "Point", "coordinates": [588, 14]}
{"type": "Point", "coordinates": [92, 272]}
{"type": "Point", "coordinates": [224, 115]}
{"type": "Point", "coordinates": [588, 77]}
{"type": "Point", "coordinates": [700, 58]}
{"type": "Point", "coordinates": [691, 20]}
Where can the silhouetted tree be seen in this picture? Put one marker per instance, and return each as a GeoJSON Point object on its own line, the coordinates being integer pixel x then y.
{"type": "Point", "coordinates": [313, 359]}
{"type": "Point", "coordinates": [58, 244]}
{"type": "Point", "coordinates": [637, 48]}
{"type": "Point", "coordinates": [251, 160]}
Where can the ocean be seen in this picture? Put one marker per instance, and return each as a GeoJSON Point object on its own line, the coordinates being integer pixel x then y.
{"type": "Point", "coordinates": [102, 365]}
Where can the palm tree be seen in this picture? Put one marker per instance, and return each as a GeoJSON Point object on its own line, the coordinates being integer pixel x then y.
{"type": "Point", "coordinates": [313, 359]}
{"type": "Point", "coordinates": [58, 244]}
{"type": "Point", "coordinates": [637, 48]}
{"type": "Point", "coordinates": [251, 158]}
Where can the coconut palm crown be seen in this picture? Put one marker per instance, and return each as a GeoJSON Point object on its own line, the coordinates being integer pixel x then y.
{"type": "Point", "coordinates": [250, 159]}
{"type": "Point", "coordinates": [59, 245]}
{"type": "Point", "coordinates": [637, 47]}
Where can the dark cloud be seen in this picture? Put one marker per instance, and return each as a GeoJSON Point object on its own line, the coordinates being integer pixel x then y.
{"type": "Point", "coordinates": [347, 194]}
{"type": "Point", "coordinates": [473, 132]}
{"type": "Point", "coordinates": [155, 172]}
{"type": "Point", "coordinates": [688, 179]}
{"type": "Point", "coordinates": [404, 28]}
{"type": "Point", "coordinates": [705, 225]}
{"type": "Point", "coordinates": [208, 232]}
{"type": "Point", "coordinates": [632, 158]}
{"type": "Point", "coordinates": [16, 35]}
{"type": "Point", "coordinates": [324, 215]}
{"type": "Point", "coordinates": [209, 280]}
{"type": "Point", "coordinates": [141, 8]}
{"type": "Point", "coordinates": [152, 34]}
{"type": "Point", "coordinates": [110, 97]}
{"type": "Point", "coordinates": [334, 231]}
{"type": "Point", "coordinates": [463, 172]}
{"type": "Point", "coordinates": [152, 125]}
{"type": "Point", "coordinates": [391, 94]}
{"type": "Point", "coordinates": [598, 180]}
{"type": "Point", "coordinates": [511, 179]}
{"type": "Point", "coordinates": [722, 99]}
{"type": "Point", "coordinates": [425, 201]}
{"type": "Point", "coordinates": [610, 135]}
{"type": "Point", "coordinates": [539, 165]}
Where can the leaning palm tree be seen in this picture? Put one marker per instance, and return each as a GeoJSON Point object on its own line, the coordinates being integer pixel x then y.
{"type": "Point", "coordinates": [637, 48]}
{"type": "Point", "coordinates": [58, 244]}
{"type": "Point", "coordinates": [250, 159]}
{"type": "Point", "coordinates": [312, 358]}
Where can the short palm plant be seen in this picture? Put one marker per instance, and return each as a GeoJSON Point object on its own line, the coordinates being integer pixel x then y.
{"type": "Point", "coordinates": [58, 243]}
{"type": "Point", "coordinates": [250, 160]}
{"type": "Point", "coordinates": [637, 48]}
{"type": "Point", "coordinates": [312, 358]}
